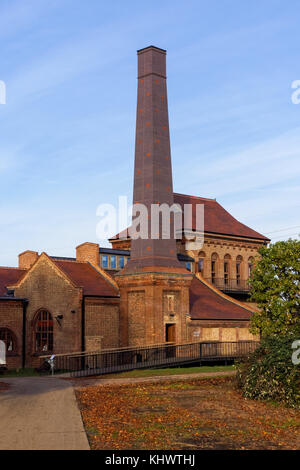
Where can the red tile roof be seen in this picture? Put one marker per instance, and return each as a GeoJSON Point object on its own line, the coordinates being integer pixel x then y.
{"type": "Point", "coordinates": [9, 276]}
{"type": "Point", "coordinates": [216, 219]}
{"type": "Point", "coordinates": [207, 303]}
{"type": "Point", "coordinates": [85, 276]}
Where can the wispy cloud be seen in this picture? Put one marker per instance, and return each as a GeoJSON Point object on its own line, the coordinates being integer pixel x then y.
{"type": "Point", "coordinates": [19, 14]}
{"type": "Point", "coordinates": [8, 158]}
{"type": "Point", "coordinates": [258, 185]}
{"type": "Point", "coordinates": [270, 162]}
{"type": "Point", "coordinates": [64, 151]}
{"type": "Point", "coordinates": [60, 66]}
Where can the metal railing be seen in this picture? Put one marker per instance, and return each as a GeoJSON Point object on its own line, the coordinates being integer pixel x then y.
{"type": "Point", "coordinates": [230, 285]}
{"type": "Point", "coordinates": [141, 357]}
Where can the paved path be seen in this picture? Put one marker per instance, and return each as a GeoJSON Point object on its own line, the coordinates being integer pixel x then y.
{"type": "Point", "coordinates": [40, 413]}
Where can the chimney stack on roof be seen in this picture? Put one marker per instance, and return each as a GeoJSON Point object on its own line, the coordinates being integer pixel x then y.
{"type": "Point", "coordinates": [27, 259]}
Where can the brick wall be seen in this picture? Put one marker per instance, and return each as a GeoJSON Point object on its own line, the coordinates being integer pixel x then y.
{"type": "Point", "coordinates": [143, 308]}
{"type": "Point", "coordinates": [136, 318]}
{"type": "Point", "coordinates": [93, 343]}
{"type": "Point", "coordinates": [46, 288]}
{"type": "Point", "coordinates": [102, 320]}
{"type": "Point", "coordinates": [223, 246]}
{"type": "Point", "coordinates": [11, 317]}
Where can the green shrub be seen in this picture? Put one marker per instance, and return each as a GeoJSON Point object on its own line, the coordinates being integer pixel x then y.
{"type": "Point", "coordinates": [269, 373]}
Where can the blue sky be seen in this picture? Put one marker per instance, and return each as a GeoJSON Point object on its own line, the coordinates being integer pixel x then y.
{"type": "Point", "coordinates": [67, 131]}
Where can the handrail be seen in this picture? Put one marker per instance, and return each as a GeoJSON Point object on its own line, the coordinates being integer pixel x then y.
{"type": "Point", "coordinates": [163, 355]}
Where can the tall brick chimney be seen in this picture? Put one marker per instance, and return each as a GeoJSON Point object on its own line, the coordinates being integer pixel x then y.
{"type": "Point", "coordinates": [153, 170]}
{"type": "Point", "coordinates": [154, 286]}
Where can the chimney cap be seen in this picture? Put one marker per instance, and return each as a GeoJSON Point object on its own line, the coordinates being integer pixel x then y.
{"type": "Point", "coordinates": [158, 49]}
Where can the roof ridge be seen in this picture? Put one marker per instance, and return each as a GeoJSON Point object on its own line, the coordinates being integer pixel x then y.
{"type": "Point", "coordinates": [13, 267]}
{"type": "Point", "coordinates": [107, 277]}
{"type": "Point", "coordinates": [196, 197]}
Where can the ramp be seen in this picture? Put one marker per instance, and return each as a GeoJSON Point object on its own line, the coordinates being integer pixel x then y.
{"type": "Point", "coordinates": [146, 357]}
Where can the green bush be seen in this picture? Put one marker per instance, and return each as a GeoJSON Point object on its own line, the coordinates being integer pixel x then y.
{"type": "Point", "coordinates": [269, 373]}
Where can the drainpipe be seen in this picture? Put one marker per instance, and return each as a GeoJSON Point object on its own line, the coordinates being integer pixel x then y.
{"type": "Point", "coordinates": [83, 324]}
{"type": "Point", "coordinates": [83, 331]}
{"type": "Point", "coordinates": [25, 305]}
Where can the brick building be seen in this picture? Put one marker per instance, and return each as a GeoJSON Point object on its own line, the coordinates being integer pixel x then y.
{"type": "Point", "coordinates": [140, 291]}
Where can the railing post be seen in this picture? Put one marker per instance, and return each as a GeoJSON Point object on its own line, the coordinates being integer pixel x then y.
{"type": "Point", "coordinates": [200, 354]}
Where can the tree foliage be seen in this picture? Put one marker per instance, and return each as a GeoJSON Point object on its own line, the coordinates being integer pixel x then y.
{"type": "Point", "coordinates": [269, 372]}
{"type": "Point", "coordinates": [275, 287]}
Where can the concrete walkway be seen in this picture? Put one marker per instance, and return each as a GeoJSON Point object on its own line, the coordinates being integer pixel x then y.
{"type": "Point", "coordinates": [40, 413]}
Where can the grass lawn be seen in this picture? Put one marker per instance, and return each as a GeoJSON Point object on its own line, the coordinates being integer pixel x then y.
{"type": "Point", "coordinates": [171, 371]}
{"type": "Point", "coordinates": [20, 373]}
{"type": "Point", "coordinates": [184, 415]}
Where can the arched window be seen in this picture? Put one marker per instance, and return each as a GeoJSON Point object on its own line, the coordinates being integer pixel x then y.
{"type": "Point", "coordinates": [214, 259]}
{"type": "Point", "coordinates": [43, 332]}
{"type": "Point", "coordinates": [201, 262]}
{"type": "Point", "coordinates": [227, 259]}
{"type": "Point", "coordinates": [250, 266]}
{"type": "Point", "coordinates": [239, 260]}
{"type": "Point", "coordinates": [9, 339]}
